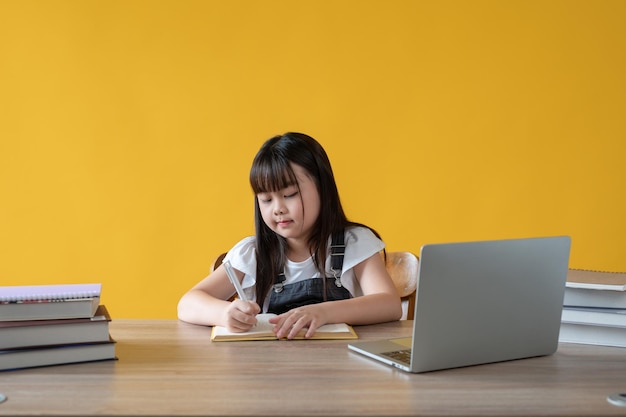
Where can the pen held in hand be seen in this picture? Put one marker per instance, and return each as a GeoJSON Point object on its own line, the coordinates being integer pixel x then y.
{"type": "Point", "coordinates": [233, 279]}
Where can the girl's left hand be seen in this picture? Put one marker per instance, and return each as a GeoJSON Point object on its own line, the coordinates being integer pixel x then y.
{"type": "Point", "coordinates": [290, 323]}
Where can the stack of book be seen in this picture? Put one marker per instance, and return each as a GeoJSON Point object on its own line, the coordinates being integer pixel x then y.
{"type": "Point", "coordinates": [45, 325]}
{"type": "Point", "coordinates": [594, 308]}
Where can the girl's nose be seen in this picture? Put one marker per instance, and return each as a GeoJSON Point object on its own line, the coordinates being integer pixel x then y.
{"type": "Point", "coordinates": [279, 208]}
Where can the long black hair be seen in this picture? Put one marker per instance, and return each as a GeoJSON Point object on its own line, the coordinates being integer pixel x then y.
{"type": "Point", "coordinates": [272, 171]}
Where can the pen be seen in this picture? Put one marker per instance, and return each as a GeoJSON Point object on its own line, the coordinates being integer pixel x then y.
{"type": "Point", "coordinates": [233, 279]}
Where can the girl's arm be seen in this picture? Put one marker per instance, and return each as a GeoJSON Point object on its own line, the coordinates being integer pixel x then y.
{"type": "Point", "coordinates": [207, 304]}
{"type": "Point", "coordinates": [380, 303]}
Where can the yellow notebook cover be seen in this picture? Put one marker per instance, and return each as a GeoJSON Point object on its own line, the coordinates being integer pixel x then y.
{"type": "Point", "coordinates": [263, 331]}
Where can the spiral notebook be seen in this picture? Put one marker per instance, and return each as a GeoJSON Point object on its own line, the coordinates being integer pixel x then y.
{"type": "Point", "coordinates": [40, 302]}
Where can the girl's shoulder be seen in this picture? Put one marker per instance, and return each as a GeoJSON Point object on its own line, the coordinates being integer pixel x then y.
{"type": "Point", "coordinates": [361, 243]}
{"type": "Point", "coordinates": [362, 235]}
{"type": "Point", "coordinates": [242, 256]}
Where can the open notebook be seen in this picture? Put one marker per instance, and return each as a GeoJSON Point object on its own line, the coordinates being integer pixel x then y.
{"type": "Point", "coordinates": [481, 302]}
{"type": "Point", "coordinates": [263, 331]}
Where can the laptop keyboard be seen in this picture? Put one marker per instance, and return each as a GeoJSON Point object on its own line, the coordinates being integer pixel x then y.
{"type": "Point", "coordinates": [403, 355]}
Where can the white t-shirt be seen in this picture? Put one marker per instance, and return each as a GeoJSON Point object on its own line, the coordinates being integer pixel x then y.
{"type": "Point", "coordinates": [360, 242]}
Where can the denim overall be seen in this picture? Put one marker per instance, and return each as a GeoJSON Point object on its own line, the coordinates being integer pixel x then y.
{"type": "Point", "coordinates": [284, 297]}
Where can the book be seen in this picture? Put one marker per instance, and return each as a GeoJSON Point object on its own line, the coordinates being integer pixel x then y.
{"type": "Point", "coordinates": [263, 331]}
{"type": "Point", "coordinates": [592, 334]}
{"type": "Point", "coordinates": [595, 289]}
{"type": "Point", "coordinates": [40, 302]}
{"type": "Point", "coordinates": [56, 355]}
{"type": "Point", "coordinates": [594, 316]}
{"type": "Point", "coordinates": [31, 333]}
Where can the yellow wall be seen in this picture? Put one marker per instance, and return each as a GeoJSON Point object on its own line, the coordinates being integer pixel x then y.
{"type": "Point", "coordinates": [127, 128]}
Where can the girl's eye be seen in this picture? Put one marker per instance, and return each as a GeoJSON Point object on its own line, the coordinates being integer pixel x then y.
{"type": "Point", "coordinates": [264, 199]}
{"type": "Point", "coordinates": [295, 193]}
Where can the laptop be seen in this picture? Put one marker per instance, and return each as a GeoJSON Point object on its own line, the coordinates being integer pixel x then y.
{"type": "Point", "coordinates": [481, 302]}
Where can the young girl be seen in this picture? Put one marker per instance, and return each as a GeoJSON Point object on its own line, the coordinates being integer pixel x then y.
{"type": "Point", "coordinates": [307, 262]}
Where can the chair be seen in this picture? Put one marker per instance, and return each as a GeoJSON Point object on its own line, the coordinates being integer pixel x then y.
{"type": "Point", "coordinates": [401, 266]}
{"type": "Point", "coordinates": [403, 269]}
{"type": "Point", "coordinates": [218, 261]}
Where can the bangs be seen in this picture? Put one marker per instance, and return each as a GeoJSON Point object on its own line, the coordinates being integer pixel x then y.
{"type": "Point", "coordinates": [271, 175]}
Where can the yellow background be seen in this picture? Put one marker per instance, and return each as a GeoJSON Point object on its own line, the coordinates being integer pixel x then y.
{"type": "Point", "coordinates": [127, 128]}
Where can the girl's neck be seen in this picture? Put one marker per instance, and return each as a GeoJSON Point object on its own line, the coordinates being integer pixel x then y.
{"type": "Point", "coordinates": [298, 250]}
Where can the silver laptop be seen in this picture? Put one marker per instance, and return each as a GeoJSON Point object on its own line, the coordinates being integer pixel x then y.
{"type": "Point", "coordinates": [481, 302]}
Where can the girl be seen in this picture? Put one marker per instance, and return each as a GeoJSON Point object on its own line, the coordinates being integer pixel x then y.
{"type": "Point", "coordinates": [307, 262]}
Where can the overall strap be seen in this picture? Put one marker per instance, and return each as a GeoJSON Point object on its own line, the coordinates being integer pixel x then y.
{"type": "Point", "coordinates": [337, 251]}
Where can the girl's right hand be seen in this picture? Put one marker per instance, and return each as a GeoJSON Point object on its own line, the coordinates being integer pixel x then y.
{"type": "Point", "coordinates": [241, 315]}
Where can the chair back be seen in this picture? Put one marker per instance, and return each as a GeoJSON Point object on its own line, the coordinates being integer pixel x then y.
{"type": "Point", "coordinates": [403, 269]}
{"type": "Point", "coordinates": [218, 261]}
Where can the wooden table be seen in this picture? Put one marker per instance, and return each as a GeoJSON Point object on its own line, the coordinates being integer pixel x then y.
{"type": "Point", "coordinates": [171, 368]}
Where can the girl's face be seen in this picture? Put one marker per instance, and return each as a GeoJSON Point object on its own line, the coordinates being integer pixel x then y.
{"type": "Point", "coordinates": [292, 211]}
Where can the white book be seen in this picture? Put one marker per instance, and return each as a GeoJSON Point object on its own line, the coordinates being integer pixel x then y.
{"type": "Point", "coordinates": [594, 316]}
{"type": "Point", "coordinates": [592, 335]}
{"type": "Point", "coordinates": [595, 289]}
